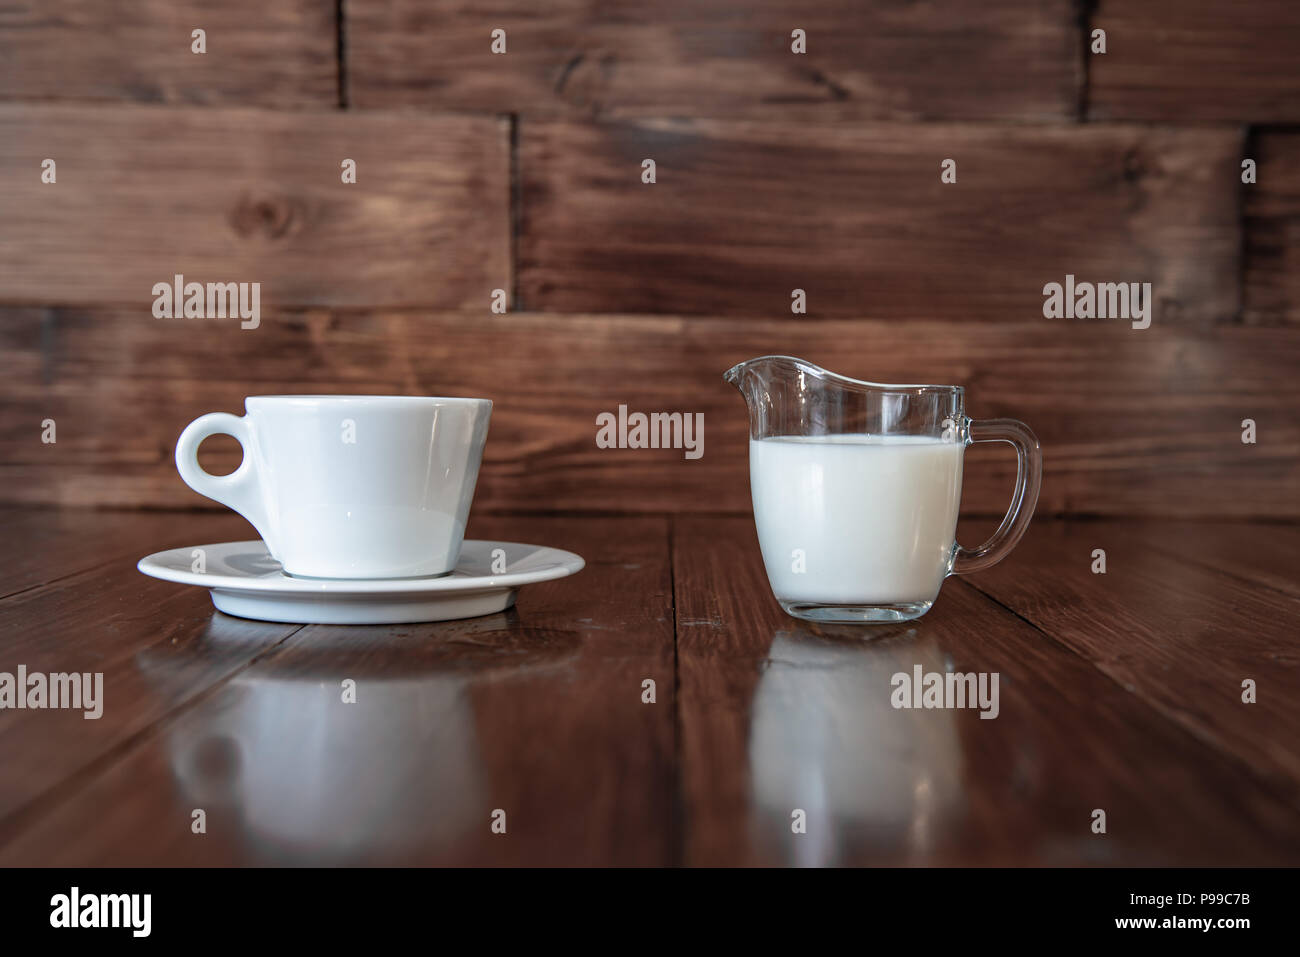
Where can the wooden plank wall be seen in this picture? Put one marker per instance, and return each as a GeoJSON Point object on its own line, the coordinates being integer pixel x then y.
{"type": "Point", "coordinates": [221, 195]}
{"type": "Point", "coordinates": [856, 215]}
{"type": "Point", "coordinates": [522, 172]}
{"type": "Point", "coordinates": [1014, 60]}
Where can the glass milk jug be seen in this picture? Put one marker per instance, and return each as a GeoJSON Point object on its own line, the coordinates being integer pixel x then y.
{"type": "Point", "coordinates": [857, 486]}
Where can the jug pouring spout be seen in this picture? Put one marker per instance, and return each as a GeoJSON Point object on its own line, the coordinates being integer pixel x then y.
{"type": "Point", "coordinates": [755, 373]}
{"type": "Point", "coordinates": [769, 383]}
{"type": "Point", "coordinates": [771, 369]}
{"type": "Point", "coordinates": [791, 396]}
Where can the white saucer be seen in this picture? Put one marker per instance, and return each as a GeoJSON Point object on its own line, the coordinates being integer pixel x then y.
{"type": "Point", "coordinates": [246, 581]}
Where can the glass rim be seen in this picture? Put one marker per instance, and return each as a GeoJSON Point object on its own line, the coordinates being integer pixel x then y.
{"type": "Point", "coordinates": [734, 373]}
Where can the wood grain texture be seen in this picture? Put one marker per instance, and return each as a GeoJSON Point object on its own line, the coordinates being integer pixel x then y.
{"type": "Point", "coordinates": [278, 54]}
{"type": "Point", "coordinates": [113, 620]}
{"type": "Point", "coordinates": [537, 711]}
{"type": "Point", "coordinates": [1196, 60]}
{"type": "Point", "coordinates": [223, 195]}
{"type": "Point", "coordinates": [1261, 555]}
{"type": "Point", "coordinates": [44, 545]}
{"type": "Point", "coordinates": [741, 214]}
{"type": "Point", "coordinates": [778, 714]}
{"type": "Point", "coordinates": [1131, 422]}
{"type": "Point", "coordinates": [1017, 59]}
{"type": "Point", "coordinates": [1167, 623]}
{"type": "Point", "coordinates": [1272, 230]}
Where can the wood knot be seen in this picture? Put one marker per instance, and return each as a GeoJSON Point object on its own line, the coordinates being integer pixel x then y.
{"type": "Point", "coordinates": [585, 78]}
{"type": "Point", "coordinates": [271, 218]}
{"type": "Point", "coordinates": [1135, 165]}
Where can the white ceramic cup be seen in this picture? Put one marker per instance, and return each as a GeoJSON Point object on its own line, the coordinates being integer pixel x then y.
{"type": "Point", "coordinates": [349, 486]}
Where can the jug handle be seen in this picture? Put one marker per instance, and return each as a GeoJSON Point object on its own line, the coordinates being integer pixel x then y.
{"type": "Point", "coordinates": [1029, 472]}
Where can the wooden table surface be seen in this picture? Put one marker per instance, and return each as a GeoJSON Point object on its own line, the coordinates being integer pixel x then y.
{"type": "Point", "coordinates": [1119, 691]}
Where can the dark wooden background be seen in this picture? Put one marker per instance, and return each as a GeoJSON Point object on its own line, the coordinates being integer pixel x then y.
{"type": "Point", "coordinates": [522, 171]}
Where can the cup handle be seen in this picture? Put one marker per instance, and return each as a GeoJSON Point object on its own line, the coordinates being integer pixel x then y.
{"type": "Point", "coordinates": [241, 489]}
{"type": "Point", "coordinates": [1029, 472]}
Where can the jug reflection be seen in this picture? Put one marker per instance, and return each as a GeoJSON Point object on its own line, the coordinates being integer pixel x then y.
{"type": "Point", "coordinates": [825, 739]}
{"type": "Point", "coordinates": [857, 485]}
